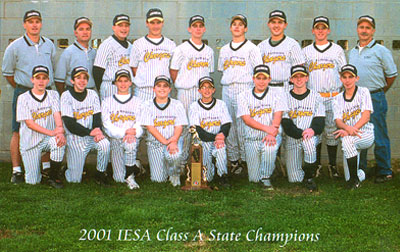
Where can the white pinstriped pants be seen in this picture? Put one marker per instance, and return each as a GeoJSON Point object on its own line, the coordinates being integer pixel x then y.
{"type": "Point", "coordinates": [330, 124]}
{"type": "Point", "coordinates": [295, 150]}
{"type": "Point", "coordinates": [144, 93]}
{"type": "Point", "coordinates": [234, 142]}
{"type": "Point", "coordinates": [122, 154]}
{"type": "Point", "coordinates": [261, 158]}
{"type": "Point", "coordinates": [31, 158]}
{"type": "Point", "coordinates": [107, 89]}
{"type": "Point", "coordinates": [162, 163]}
{"type": "Point", "coordinates": [77, 149]}
{"type": "Point", "coordinates": [209, 151]}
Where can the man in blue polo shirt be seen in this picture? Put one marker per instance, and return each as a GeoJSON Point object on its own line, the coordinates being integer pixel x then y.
{"type": "Point", "coordinates": [377, 72]}
{"type": "Point", "coordinates": [20, 57]}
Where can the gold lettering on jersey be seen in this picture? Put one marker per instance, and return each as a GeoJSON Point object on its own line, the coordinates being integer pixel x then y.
{"type": "Point", "coordinates": [210, 124]}
{"type": "Point", "coordinates": [41, 115]}
{"type": "Point", "coordinates": [260, 112]}
{"type": "Point", "coordinates": [294, 113]}
{"type": "Point", "coordinates": [164, 123]}
{"type": "Point", "coordinates": [194, 64]}
{"type": "Point", "coordinates": [233, 63]}
{"type": "Point", "coordinates": [83, 115]}
{"type": "Point", "coordinates": [315, 66]}
{"type": "Point", "coordinates": [349, 115]}
{"type": "Point", "coordinates": [273, 59]}
{"type": "Point", "coordinates": [117, 117]}
{"type": "Point", "coordinates": [150, 55]}
{"type": "Point", "coordinates": [123, 61]}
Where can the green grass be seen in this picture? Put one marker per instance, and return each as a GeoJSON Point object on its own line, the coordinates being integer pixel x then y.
{"type": "Point", "coordinates": [39, 218]}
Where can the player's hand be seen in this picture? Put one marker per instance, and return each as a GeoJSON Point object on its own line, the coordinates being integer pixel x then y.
{"type": "Point", "coordinates": [353, 131]}
{"type": "Point", "coordinates": [219, 143]}
{"type": "Point", "coordinates": [97, 138]}
{"type": "Point", "coordinates": [95, 132]}
{"type": "Point", "coordinates": [271, 130]}
{"type": "Point", "coordinates": [269, 140]}
{"type": "Point", "coordinates": [59, 130]}
{"type": "Point", "coordinates": [60, 140]}
{"type": "Point", "coordinates": [129, 138]}
{"type": "Point", "coordinates": [131, 131]}
{"type": "Point", "coordinates": [220, 137]}
{"type": "Point", "coordinates": [340, 133]}
{"type": "Point", "coordinates": [172, 148]}
{"type": "Point", "coordinates": [308, 133]}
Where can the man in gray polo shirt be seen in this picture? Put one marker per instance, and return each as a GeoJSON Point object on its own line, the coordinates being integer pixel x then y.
{"type": "Point", "coordinates": [377, 72]}
{"type": "Point", "coordinates": [20, 57]}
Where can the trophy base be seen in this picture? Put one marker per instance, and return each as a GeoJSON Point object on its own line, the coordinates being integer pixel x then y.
{"type": "Point", "coordinates": [196, 188]}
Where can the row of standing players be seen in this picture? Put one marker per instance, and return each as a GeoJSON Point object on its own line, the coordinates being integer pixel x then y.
{"type": "Point", "coordinates": [151, 56]}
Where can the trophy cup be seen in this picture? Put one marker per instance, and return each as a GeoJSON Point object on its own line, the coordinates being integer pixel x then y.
{"type": "Point", "coordinates": [196, 172]}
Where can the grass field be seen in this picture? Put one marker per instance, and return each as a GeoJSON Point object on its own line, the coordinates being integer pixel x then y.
{"type": "Point", "coordinates": [159, 217]}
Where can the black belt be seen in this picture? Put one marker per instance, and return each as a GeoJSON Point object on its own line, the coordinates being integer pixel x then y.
{"type": "Point", "coordinates": [376, 91]}
{"type": "Point", "coordinates": [276, 84]}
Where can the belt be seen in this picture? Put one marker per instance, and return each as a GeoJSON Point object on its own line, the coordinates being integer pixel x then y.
{"type": "Point", "coordinates": [376, 91]}
{"type": "Point", "coordinates": [277, 84]}
{"type": "Point", "coordinates": [326, 95]}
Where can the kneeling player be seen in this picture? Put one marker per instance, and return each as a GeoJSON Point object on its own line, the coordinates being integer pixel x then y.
{"type": "Point", "coordinates": [261, 110]}
{"type": "Point", "coordinates": [353, 109]}
{"type": "Point", "coordinates": [164, 119]}
{"type": "Point", "coordinates": [80, 110]}
{"type": "Point", "coordinates": [120, 114]}
{"type": "Point", "coordinates": [302, 123]}
{"type": "Point", "coordinates": [212, 121]}
{"type": "Point", "coordinates": [38, 111]}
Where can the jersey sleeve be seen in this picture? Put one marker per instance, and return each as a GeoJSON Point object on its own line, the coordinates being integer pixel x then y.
{"type": "Point", "coordinates": [211, 63]}
{"type": "Point", "coordinates": [96, 105]}
{"type": "Point", "coordinates": [389, 67]}
{"type": "Point", "coordinates": [9, 61]}
{"type": "Point", "coordinates": [296, 55]}
{"type": "Point", "coordinates": [338, 111]}
{"type": "Point", "coordinates": [147, 115]}
{"type": "Point", "coordinates": [320, 110]}
{"type": "Point", "coordinates": [255, 57]}
{"type": "Point", "coordinates": [102, 55]}
{"type": "Point", "coordinates": [366, 103]}
{"type": "Point", "coordinates": [194, 118]}
{"type": "Point", "coordinates": [134, 57]}
{"type": "Point", "coordinates": [242, 106]}
{"type": "Point", "coordinates": [55, 101]}
{"type": "Point", "coordinates": [111, 130]}
{"type": "Point", "coordinates": [226, 117]}
{"type": "Point", "coordinates": [53, 55]}
{"type": "Point", "coordinates": [341, 59]}
{"type": "Point", "coordinates": [280, 103]}
{"type": "Point", "coordinates": [220, 61]}
{"type": "Point", "coordinates": [23, 110]}
{"type": "Point", "coordinates": [61, 68]}
{"type": "Point", "coordinates": [177, 59]}
{"type": "Point", "coordinates": [181, 118]}
{"type": "Point", "coordinates": [66, 105]}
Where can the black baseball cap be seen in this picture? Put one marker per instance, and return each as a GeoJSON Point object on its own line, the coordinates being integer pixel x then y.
{"type": "Point", "coordinates": [321, 20]}
{"type": "Point", "coordinates": [40, 69]}
{"type": "Point", "coordinates": [78, 70]}
{"type": "Point", "coordinates": [367, 18]}
{"type": "Point", "coordinates": [120, 73]}
{"type": "Point", "coordinates": [81, 20]}
{"type": "Point", "coordinates": [154, 14]}
{"type": "Point", "coordinates": [261, 69]}
{"type": "Point", "coordinates": [277, 14]}
{"type": "Point", "coordinates": [298, 69]}
{"type": "Point", "coordinates": [121, 18]}
{"type": "Point", "coordinates": [206, 79]}
{"type": "Point", "coordinates": [195, 19]}
{"type": "Point", "coordinates": [32, 14]}
{"type": "Point", "coordinates": [350, 69]}
{"type": "Point", "coordinates": [240, 17]}
{"type": "Point", "coordinates": [162, 78]}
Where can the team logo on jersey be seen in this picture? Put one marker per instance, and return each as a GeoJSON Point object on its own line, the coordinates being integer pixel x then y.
{"type": "Point", "coordinates": [41, 115]}
{"type": "Point", "coordinates": [315, 66]}
{"type": "Point", "coordinates": [117, 117]}
{"type": "Point", "coordinates": [83, 115]}
{"type": "Point", "coordinates": [150, 55]}
{"type": "Point", "coordinates": [164, 123]}
{"type": "Point", "coordinates": [295, 113]}
{"type": "Point", "coordinates": [260, 112]}
{"type": "Point", "coordinates": [268, 58]}
{"type": "Point", "coordinates": [123, 61]}
{"type": "Point", "coordinates": [210, 124]}
{"type": "Point", "coordinates": [233, 62]}
{"type": "Point", "coordinates": [195, 64]}
{"type": "Point", "coordinates": [350, 115]}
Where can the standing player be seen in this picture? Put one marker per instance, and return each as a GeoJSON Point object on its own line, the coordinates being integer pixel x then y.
{"type": "Point", "coordinates": [38, 111]}
{"type": "Point", "coordinates": [236, 62]}
{"type": "Point", "coordinates": [121, 113]}
{"type": "Point", "coordinates": [164, 119]}
{"type": "Point", "coordinates": [112, 55]}
{"type": "Point", "coordinates": [353, 109]}
{"type": "Point", "coordinates": [324, 60]}
{"type": "Point", "coordinates": [78, 54]}
{"type": "Point", "coordinates": [303, 121]}
{"type": "Point", "coordinates": [192, 60]}
{"type": "Point", "coordinates": [19, 59]}
{"type": "Point", "coordinates": [80, 111]}
{"type": "Point", "coordinates": [261, 109]}
{"type": "Point", "coordinates": [212, 121]}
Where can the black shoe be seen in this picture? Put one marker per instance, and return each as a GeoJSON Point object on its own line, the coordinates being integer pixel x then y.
{"type": "Point", "coordinates": [17, 178]}
{"type": "Point", "coordinates": [355, 185]}
{"type": "Point", "coordinates": [101, 179]}
{"type": "Point", "coordinates": [333, 172]}
{"type": "Point", "coordinates": [383, 178]}
{"type": "Point", "coordinates": [310, 185]}
{"type": "Point", "coordinates": [55, 183]}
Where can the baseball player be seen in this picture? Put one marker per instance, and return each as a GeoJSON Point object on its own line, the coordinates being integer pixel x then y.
{"type": "Point", "coordinates": [280, 52]}
{"type": "Point", "coordinates": [164, 119]}
{"type": "Point", "coordinates": [303, 121]}
{"type": "Point", "coordinates": [112, 55]}
{"type": "Point", "coordinates": [121, 113]}
{"type": "Point", "coordinates": [236, 62]}
{"type": "Point", "coordinates": [353, 109]}
{"type": "Point", "coordinates": [81, 114]}
{"type": "Point", "coordinates": [324, 60]}
{"type": "Point", "coordinates": [212, 121]}
{"type": "Point", "coordinates": [19, 59]}
{"type": "Point", "coordinates": [192, 60]}
{"type": "Point", "coordinates": [38, 111]}
{"type": "Point", "coordinates": [78, 54]}
{"type": "Point", "coordinates": [261, 109]}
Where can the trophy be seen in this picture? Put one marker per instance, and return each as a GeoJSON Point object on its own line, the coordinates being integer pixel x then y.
{"type": "Point", "coordinates": [196, 172]}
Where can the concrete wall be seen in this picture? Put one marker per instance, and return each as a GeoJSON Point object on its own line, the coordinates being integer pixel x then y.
{"type": "Point", "coordinates": [343, 14]}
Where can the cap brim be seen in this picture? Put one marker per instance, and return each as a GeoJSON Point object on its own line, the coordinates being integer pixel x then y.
{"type": "Point", "coordinates": [197, 21]}
{"type": "Point", "coordinates": [299, 72]}
{"type": "Point", "coordinates": [265, 74]}
{"type": "Point", "coordinates": [238, 18]}
{"type": "Point", "coordinates": [280, 18]}
{"type": "Point", "coordinates": [169, 84]}
{"type": "Point", "coordinates": [122, 21]}
{"type": "Point", "coordinates": [365, 20]}
{"type": "Point", "coordinates": [155, 18]}
{"type": "Point", "coordinates": [82, 72]}
{"type": "Point", "coordinates": [347, 71]}
{"type": "Point", "coordinates": [323, 23]}
{"type": "Point", "coordinates": [84, 21]}
{"type": "Point", "coordinates": [36, 74]}
{"type": "Point", "coordinates": [123, 75]}
{"type": "Point", "coordinates": [32, 17]}
{"type": "Point", "coordinates": [209, 82]}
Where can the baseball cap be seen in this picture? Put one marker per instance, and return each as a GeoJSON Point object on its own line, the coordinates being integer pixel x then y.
{"type": "Point", "coordinates": [367, 18]}
{"type": "Point", "coordinates": [40, 69]}
{"type": "Point", "coordinates": [162, 78]}
{"type": "Point", "coordinates": [240, 17]}
{"type": "Point", "coordinates": [349, 68]}
{"type": "Point", "coordinates": [81, 20]}
{"type": "Point", "coordinates": [298, 69]}
{"type": "Point", "coordinates": [120, 73]}
{"type": "Point", "coordinates": [277, 14]}
{"type": "Point", "coordinates": [206, 79]}
{"type": "Point", "coordinates": [195, 19]}
{"type": "Point", "coordinates": [78, 70]}
{"type": "Point", "coordinates": [261, 69]}
{"type": "Point", "coordinates": [32, 14]}
{"type": "Point", "coordinates": [154, 14]}
{"type": "Point", "coordinates": [321, 20]}
{"type": "Point", "coordinates": [121, 18]}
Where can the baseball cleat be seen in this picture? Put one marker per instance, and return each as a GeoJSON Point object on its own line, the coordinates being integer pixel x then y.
{"type": "Point", "coordinates": [130, 181]}
{"type": "Point", "coordinates": [55, 183]}
{"type": "Point", "coordinates": [17, 178]}
{"type": "Point", "coordinates": [310, 185]}
{"type": "Point", "coordinates": [318, 172]}
{"type": "Point", "coordinates": [333, 172]}
{"type": "Point", "coordinates": [175, 180]}
{"type": "Point", "coordinates": [101, 178]}
{"type": "Point", "coordinates": [266, 183]}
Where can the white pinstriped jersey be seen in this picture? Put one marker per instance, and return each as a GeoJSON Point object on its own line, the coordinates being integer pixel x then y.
{"type": "Point", "coordinates": [81, 111]}
{"type": "Point", "coordinates": [164, 119]}
{"type": "Point", "coordinates": [210, 119]}
{"type": "Point", "coordinates": [261, 109]}
{"type": "Point", "coordinates": [237, 64]}
{"type": "Point", "coordinates": [118, 116]}
{"type": "Point", "coordinates": [350, 111]}
{"type": "Point", "coordinates": [40, 111]}
{"type": "Point", "coordinates": [302, 111]}
{"type": "Point", "coordinates": [192, 64]}
{"type": "Point", "coordinates": [112, 56]}
{"type": "Point", "coordinates": [324, 66]}
{"type": "Point", "coordinates": [151, 59]}
{"type": "Point", "coordinates": [281, 57]}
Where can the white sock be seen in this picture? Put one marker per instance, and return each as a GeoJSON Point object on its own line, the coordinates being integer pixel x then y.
{"type": "Point", "coordinates": [17, 169]}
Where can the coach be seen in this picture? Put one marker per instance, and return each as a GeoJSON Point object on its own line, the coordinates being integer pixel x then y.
{"type": "Point", "coordinates": [377, 72]}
